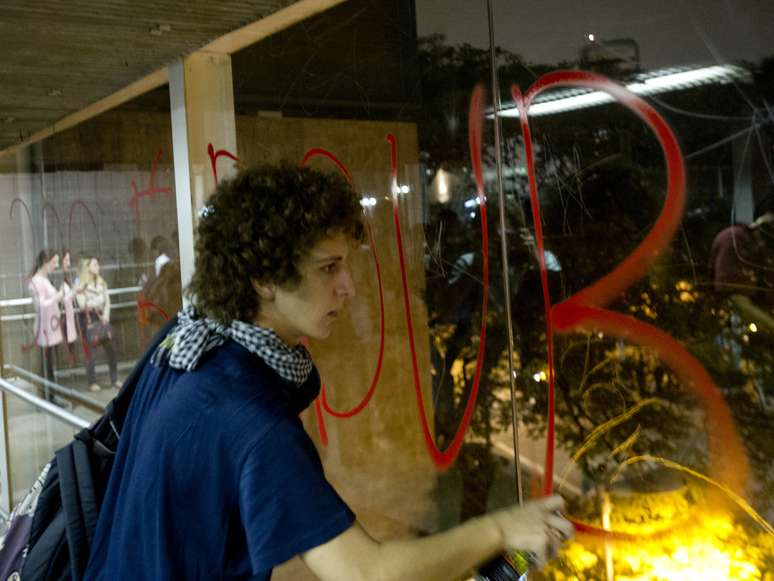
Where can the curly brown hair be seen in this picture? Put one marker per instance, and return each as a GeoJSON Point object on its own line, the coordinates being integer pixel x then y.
{"type": "Point", "coordinates": [257, 226]}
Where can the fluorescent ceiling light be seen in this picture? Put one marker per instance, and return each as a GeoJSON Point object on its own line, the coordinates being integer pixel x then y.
{"type": "Point", "coordinates": [647, 84]}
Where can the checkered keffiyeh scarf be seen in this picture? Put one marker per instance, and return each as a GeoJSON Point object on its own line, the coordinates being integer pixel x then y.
{"type": "Point", "coordinates": [195, 334]}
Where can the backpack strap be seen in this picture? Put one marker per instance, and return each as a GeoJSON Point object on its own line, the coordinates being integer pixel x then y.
{"type": "Point", "coordinates": [86, 489]}
{"type": "Point", "coordinates": [75, 529]}
{"type": "Point", "coordinates": [79, 503]}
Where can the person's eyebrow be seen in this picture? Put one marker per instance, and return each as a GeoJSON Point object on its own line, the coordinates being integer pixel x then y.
{"type": "Point", "coordinates": [332, 258]}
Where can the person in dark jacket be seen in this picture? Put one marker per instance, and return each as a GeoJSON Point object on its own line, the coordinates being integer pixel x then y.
{"type": "Point", "coordinates": [214, 476]}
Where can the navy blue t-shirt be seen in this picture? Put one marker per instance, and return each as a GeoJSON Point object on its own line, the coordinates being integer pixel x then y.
{"type": "Point", "coordinates": [214, 478]}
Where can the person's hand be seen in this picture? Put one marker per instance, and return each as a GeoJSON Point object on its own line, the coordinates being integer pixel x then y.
{"type": "Point", "coordinates": [537, 527]}
{"type": "Point", "coordinates": [104, 319]}
{"type": "Point", "coordinates": [765, 219]}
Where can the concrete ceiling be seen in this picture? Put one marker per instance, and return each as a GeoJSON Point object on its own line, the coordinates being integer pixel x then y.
{"type": "Point", "coordinates": [62, 55]}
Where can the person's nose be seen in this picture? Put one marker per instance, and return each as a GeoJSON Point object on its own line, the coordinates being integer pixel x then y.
{"type": "Point", "coordinates": [345, 284]}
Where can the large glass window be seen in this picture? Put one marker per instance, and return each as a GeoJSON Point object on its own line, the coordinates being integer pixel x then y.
{"type": "Point", "coordinates": [649, 159]}
{"type": "Point", "coordinates": [89, 266]}
{"type": "Point", "coordinates": [414, 429]}
{"type": "Point", "coordinates": [566, 286]}
{"type": "Point", "coordinates": [637, 177]}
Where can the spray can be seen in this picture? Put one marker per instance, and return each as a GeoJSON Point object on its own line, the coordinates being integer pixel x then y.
{"type": "Point", "coordinates": [510, 566]}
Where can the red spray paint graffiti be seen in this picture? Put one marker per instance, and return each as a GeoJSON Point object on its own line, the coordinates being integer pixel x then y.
{"type": "Point", "coordinates": [57, 222]}
{"type": "Point", "coordinates": [38, 326]}
{"type": "Point", "coordinates": [54, 322]}
{"type": "Point", "coordinates": [581, 311]}
{"type": "Point", "coordinates": [585, 310]}
{"type": "Point", "coordinates": [150, 191]}
{"type": "Point", "coordinates": [214, 155]}
{"type": "Point", "coordinates": [322, 402]}
{"type": "Point", "coordinates": [144, 305]}
{"type": "Point", "coordinates": [85, 206]}
{"type": "Point", "coordinates": [443, 459]}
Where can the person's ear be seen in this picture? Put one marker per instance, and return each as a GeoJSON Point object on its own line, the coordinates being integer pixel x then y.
{"type": "Point", "coordinates": [265, 291]}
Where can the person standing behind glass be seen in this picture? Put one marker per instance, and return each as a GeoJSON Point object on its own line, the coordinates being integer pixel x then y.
{"type": "Point", "coordinates": [67, 321]}
{"type": "Point", "coordinates": [46, 299]}
{"type": "Point", "coordinates": [94, 302]}
{"type": "Point", "coordinates": [164, 289]}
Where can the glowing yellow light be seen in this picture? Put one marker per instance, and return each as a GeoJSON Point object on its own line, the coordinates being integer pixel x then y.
{"type": "Point", "coordinates": [457, 369]}
{"type": "Point", "coordinates": [713, 549]}
{"type": "Point", "coordinates": [442, 185]}
{"type": "Point", "coordinates": [753, 327]}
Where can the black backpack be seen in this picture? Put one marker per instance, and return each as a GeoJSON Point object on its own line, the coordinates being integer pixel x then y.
{"type": "Point", "coordinates": [49, 534]}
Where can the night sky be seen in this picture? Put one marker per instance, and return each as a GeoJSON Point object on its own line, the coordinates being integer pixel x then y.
{"type": "Point", "coordinates": [669, 32]}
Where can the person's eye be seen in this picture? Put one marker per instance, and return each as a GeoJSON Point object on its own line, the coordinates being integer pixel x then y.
{"type": "Point", "coordinates": [330, 268]}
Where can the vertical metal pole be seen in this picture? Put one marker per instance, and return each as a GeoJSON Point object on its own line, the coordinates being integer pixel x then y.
{"type": "Point", "coordinates": [504, 251]}
{"type": "Point", "coordinates": [6, 497]}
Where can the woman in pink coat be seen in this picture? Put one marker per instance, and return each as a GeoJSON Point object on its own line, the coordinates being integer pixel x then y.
{"type": "Point", "coordinates": [46, 300]}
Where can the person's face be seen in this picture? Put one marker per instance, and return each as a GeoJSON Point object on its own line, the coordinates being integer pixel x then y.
{"type": "Point", "coordinates": [310, 308]}
{"type": "Point", "coordinates": [53, 264]}
{"type": "Point", "coordinates": [66, 262]}
{"type": "Point", "coordinates": [94, 266]}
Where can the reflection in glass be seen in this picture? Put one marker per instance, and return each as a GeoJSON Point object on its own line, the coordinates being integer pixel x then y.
{"type": "Point", "coordinates": [83, 210]}
{"type": "Point", "coordinates": [633, 442]}
{"type": "Point", "coordinates": [642, 442]}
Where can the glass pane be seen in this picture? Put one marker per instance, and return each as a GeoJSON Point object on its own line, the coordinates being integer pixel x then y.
{"type": "Point", "coordinates": [33, 437]}
{"type": "Point", "coordinates": [660, 287]}
{"type": "Point", "coordinates": [89, 253]}
{"type": "Point", "coordinates": [414, 430]}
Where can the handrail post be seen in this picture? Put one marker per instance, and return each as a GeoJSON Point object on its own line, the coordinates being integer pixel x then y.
{"type": "Point", "coordinates": [5, 450]}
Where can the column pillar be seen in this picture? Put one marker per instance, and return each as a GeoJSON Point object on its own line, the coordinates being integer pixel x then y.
{"type": "Point", "coordinates": [202, 106]}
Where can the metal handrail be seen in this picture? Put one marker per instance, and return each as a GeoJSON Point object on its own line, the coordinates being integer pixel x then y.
{"type": "Point", "coordinates": [20, 302]}
{"type": "Point", "coordinates": [27, 316]}
{"type": "Point", "coordinates": [66, 392]}
{"type": "Point", "coordinates": [102, 267]}
{"type": "Point", "coordinates": [41, 404]}
{"type": "Point", "coordinates": [24, 301]}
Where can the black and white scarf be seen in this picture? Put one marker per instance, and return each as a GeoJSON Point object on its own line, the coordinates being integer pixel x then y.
{"type": "Point", "coordinates": [195, 334]}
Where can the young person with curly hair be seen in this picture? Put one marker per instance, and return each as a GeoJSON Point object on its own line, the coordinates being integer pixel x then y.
{"type": "Point", "coordinates": [215, 477]}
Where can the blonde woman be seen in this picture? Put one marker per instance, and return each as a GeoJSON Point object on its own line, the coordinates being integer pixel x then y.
{"type": "Point", "coordinates": [92, 297]}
